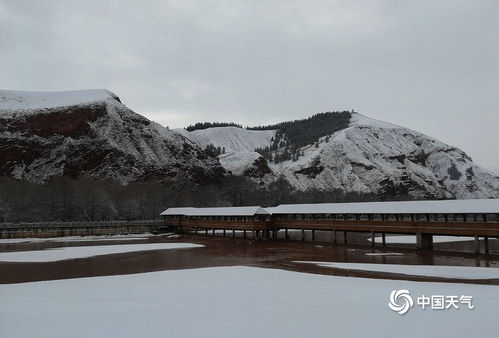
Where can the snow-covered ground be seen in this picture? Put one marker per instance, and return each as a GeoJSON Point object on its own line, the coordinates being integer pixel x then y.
{"type": "Point", "coordinates": [462, 272]}
{"type": "Point", "coordinates": [24, 100]}
{"type": "Point", "coordinates": [237, 302]}
{"type": "Point", "coordinates": [412, 239]}
{"type": "Point", "coordinates": [238, 162]}
{"type": "Point", "coordinates": [72, 252]}
{"type": "Point", "coordinates": [77, 238]}
{"type": "Point", "coordinates": [233, 139]}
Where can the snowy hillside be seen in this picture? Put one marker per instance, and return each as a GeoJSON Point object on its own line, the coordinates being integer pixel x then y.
{"type": "Point", "coordinates": [14, 100]}
{"type": "Point", "coordinates": [374, 156]}
{"type": "Point", "coordinates": [231, 138]}
{"type": "Point", "coordinates": [46, 135]}
{"type": "Point", "coordinates": [368, 156]}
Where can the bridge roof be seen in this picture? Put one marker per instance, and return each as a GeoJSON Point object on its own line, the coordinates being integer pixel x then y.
{"type": "Point", "coordinates": [474, 206]}
{"type": "Point", "coordinates": [223, 211]}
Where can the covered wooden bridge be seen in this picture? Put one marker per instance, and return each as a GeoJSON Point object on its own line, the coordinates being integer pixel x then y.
{"type": "Point", "coordinates": [478, 218]}
{"type": "Point", "coordinates": [254, 219]}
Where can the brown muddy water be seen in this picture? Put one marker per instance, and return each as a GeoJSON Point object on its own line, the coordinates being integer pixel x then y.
{"type": "Point", "coordinates": [228, 251]}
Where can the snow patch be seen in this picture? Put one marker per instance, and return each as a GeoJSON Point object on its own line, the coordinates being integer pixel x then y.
{"type": "Point", "coordinates": [245, 302]}
{"type": "Point", "coordinates": [459, 272]}
{"type": "Point", "coordinates": [58, 254]}
{"type": "Point", "coordinates": [25, 100]}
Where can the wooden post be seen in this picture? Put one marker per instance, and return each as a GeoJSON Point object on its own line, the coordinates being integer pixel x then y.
{"type": "Point", "coordinates": [486, 244]}
{"type": "Point", "coordinates": [213, 232]}
{"type": "Point", "coordinates": [224, 233]}
{"type": "Point", "coordinates": [253, 233]}
{"type": "Point", "coordinates": [373, 239]}
{"type": "Point", "coordinates": [206, 231]}
{"type": "Point", "coordinates": [477, 245]}
{"type": "Point", "coordinates": [286, 236]}
{"type": "Point", "coordinates": [244, 233]}
{"type": "Point", "coordinates": [233, 233]}
{"type": "Point", "coordinates": [196, 231]}
{"type": "Point", "coordinates": [424, 241]}
{"type": "Point", "coordinates": [345, 238]}
{"type": "Point", "coordinates": [313, 235]}
{"type": "Point", "coordinates": [335, 237]}
{"type": "Point", "coordinates": [383, 239]}
{"type": "Point", "coordinates": [302, 234]}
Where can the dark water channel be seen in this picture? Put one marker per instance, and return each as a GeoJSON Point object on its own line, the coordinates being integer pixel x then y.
{"type": "Point", "coordinates": [219, 251]}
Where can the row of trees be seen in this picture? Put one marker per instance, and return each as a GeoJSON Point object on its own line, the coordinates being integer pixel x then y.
{"type": "Point", "coordinates": [291, 136]}
{"type": "Point", "coordinates": [300, 133]}
{"type": "Point", "coordinates": [206, 125]}
{"type": "Point", "coordinates": [92, 200]}
{"type": "Point", "coordinates": [215, 150]}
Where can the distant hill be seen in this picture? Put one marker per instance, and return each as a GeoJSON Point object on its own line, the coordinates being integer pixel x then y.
{"type": "Point", "coordinates": [358, 155]}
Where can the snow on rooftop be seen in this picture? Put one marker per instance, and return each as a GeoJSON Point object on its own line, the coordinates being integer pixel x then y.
{"type": "Point", "coordinates": [477, 206]}
{"type": "Point", "coordinates": [486, 206]}
{"type": "Point", "coordinates": [26, 100]}
{"type": "Point", "coordinates": [224, 211]}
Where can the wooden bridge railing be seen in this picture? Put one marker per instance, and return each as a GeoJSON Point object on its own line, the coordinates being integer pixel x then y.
{"type": "Point", "coordinates": [490, 229]}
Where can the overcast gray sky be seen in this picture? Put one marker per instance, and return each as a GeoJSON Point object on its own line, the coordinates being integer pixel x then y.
{"type": "Point", "coordinates": [428, 65]}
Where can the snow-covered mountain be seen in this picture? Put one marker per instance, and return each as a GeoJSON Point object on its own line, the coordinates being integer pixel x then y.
{"type": "Point", "coordinates": [45, 135]}
{"type": "Point", "coordinates": [90, 133]}
{"type": "Point", "coordinates": [368, 156]}
{"type": "Point", "coordinates": [239, 147]}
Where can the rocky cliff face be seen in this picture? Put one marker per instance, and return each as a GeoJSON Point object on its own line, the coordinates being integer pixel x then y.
{"type": "Point", "coordinates": [92, 134]}
{"type": "Point", "coordinates": [368, 156]}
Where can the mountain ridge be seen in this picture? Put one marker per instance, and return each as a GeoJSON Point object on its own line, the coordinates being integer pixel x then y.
{"type": "Point", "coordinates": [368, 156]}
{"type": "Point", "coordinates": [45, 135]}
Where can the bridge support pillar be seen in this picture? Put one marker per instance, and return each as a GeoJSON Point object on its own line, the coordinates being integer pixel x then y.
{"type": "Point", "coordinates": [424, 241]}
{"type": "Point", "coordinates": [383, 239]}
{"type": "Point", "coordinates": [486, 244]}
{"type": "Point", "coordinates": [477, 245]}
